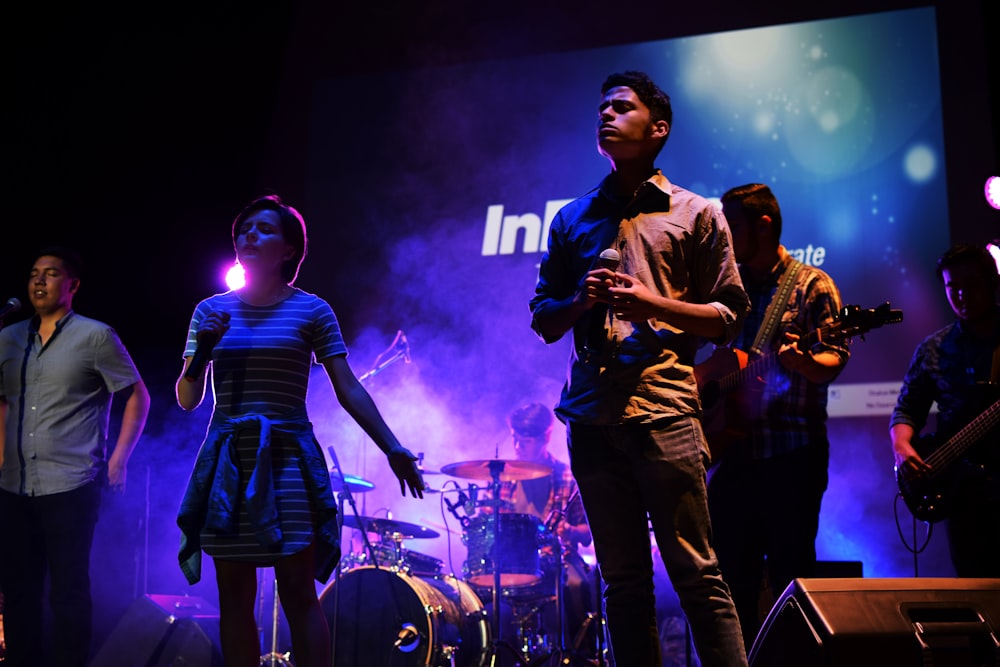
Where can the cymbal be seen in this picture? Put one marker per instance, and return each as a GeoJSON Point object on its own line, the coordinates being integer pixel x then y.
{"type": "Point", "coordinates": [388, 527]}
{"type": "Point", "coordinates": [355, 484]}
{"type": "Point", "coordinates": [510, 471]}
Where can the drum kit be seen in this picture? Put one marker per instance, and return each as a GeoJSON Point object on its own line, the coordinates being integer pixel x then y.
{"type": "Point", "coordinates": [390, 605]}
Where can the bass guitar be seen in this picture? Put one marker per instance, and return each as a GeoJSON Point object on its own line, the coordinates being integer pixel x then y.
{"type": "Point", "coordinates": [928, 495]}
{"type": "Point", "coordinates": [730, 382]}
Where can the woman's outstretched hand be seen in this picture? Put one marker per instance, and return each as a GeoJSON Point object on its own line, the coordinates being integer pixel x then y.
{"type": "Point", "coordinates": [404, 466]}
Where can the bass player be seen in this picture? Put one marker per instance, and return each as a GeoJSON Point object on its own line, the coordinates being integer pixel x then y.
{"type": "Point", "coordinates": [957, 367]}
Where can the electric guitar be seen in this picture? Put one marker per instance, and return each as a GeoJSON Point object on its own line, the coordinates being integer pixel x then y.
{"type": "Point", "coordinates": [730, 383]}
{"type": "Point", "coordinates": [928, 496]}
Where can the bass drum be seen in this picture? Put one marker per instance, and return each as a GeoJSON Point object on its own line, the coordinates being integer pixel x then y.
{"type": "Point", "coordinates": [386, 618]}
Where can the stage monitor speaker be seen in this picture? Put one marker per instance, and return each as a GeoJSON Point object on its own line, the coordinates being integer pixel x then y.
{"type": "Point", "coordinates": [164, 631]}
{"type": "Point", "coordinates": [882, 622]}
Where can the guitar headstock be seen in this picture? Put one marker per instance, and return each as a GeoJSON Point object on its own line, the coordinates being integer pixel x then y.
{"type": "Point", "coordinates": [854, 320]}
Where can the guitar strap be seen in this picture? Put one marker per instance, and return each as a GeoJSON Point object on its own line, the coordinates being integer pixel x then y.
{"type": "Point", "coordinates": [777, 305]}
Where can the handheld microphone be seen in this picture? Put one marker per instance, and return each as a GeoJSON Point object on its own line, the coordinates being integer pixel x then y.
{"type": "Point", "coordinates": [12, 306]}
{"type": "Point", "coordinates": [609, 259]}
{"type": "Point", "coordinates": [203, 353]}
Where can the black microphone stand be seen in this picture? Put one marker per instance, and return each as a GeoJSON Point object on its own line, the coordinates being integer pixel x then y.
{"type": "Point", "coordinates": [400, 349]}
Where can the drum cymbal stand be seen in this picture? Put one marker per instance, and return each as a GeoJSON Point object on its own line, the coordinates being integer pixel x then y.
{"type": "Point", "coordinates": [273, 658]}
{"type": "Point", "coordinates": [567, 653]}
{"type": "Point", "coordinates": [551, 525]}
{"type": "Point", "coordinates": [496, 467]}
{"type": "Point", "coordinates": [561, 654]}
{"type": "Point", "coordinates": [345, 494]}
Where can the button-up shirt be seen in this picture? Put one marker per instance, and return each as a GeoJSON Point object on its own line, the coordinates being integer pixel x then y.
{"type": "Point", "coordinates": [58, 399]}
{"type": "Point", "coordinates": [679, 246]}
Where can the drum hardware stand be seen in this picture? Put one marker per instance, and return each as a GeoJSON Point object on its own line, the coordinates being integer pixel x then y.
{"type": "Point", "coordinates": [582, 633]}
{"type": "Point", "coordinates": [496, 467]}
{"type": "Point", "coordinates": [527, 645]}
{"type": "Point", "coordinates": [602, 649]}
{"type": "Point", "coordinates": [275, 659]}
{"type": "Point", "coordinates": [345, 494]}
{"type": "Point", "coordinates": [566, 653]}
{"type": "Point", "coordinates": [562, 654]}
{"type": "Point", "coordinates": [561, 584]}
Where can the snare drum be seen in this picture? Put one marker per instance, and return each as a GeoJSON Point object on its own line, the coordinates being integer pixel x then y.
{"type": "Point", "coordinates": [383, 618]}
{"type": "Point", "coordinates": [517, 555]}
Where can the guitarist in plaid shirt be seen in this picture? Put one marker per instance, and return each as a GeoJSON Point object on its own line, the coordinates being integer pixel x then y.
{"type": "Point", "coordinates": [765, 493]}
{"type": "Point", "coordinates": [955, 368]}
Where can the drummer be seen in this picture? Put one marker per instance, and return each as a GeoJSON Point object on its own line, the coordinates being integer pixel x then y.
{"type": "Point", "coordinates": [553, 499]}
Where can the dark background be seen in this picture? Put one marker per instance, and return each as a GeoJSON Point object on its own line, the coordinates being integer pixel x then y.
{"type": "Point", "coordinates": [137, 132]}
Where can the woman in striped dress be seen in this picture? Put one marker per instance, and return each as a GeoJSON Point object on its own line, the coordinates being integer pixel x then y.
{"type": "Point", "coordinates": [259, 494]}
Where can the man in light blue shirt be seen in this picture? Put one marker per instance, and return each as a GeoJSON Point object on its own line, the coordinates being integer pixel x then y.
{"type": "Point", "coordinates": [59, 372]}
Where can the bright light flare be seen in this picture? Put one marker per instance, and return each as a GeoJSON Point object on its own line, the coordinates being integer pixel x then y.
{"type": "Point", "coordinates": [995, 251]}
{"type": "Point", "coordinates": [993, 191]}
{"type": "Point", "coordinates": [235, 278]}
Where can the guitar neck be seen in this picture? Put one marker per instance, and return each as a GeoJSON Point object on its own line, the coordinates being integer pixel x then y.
{"type": "Point", "coordinates": [956, 446]}
{"type": "Point", "coordinates": [852, 322]}
{"type": "Point", "coordinates": [754, 369]}
{"type": "Point", "coordinates": [761, 365]}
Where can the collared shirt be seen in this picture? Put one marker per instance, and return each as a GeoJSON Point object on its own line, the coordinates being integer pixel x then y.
{"type": "Point", "coordinates": [793, 409]}
{"type": "Point", "coordinates": [951, 367]}
{"type": "Point", "coordinates": [59, 402]}
{"type": "Point", "coordinates": [679, 246]}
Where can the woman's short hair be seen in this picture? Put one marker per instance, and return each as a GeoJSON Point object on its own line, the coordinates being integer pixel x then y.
{"type": "Point", "coordinates": [293, 228]}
